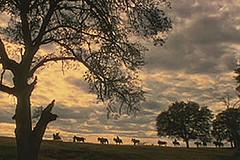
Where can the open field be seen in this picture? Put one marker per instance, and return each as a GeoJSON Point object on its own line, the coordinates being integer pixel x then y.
{"type": "Point", "coordinates": [72, 151]}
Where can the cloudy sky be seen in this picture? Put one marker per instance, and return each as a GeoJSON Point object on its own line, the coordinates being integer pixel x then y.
{"type": "Point", "coordinates": [195, 64]}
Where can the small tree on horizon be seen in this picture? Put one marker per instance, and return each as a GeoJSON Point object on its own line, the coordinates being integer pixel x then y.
{"type": "Point", "coordinates": [99, 34]}
{"type": "Point", "coordinates": [226, 126]}
{"type": "Point", "coordinates": [187, 121]}
{"type": "Point", "coordinates": [237, 78]}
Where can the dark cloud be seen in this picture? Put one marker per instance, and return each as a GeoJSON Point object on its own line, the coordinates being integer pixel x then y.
{"type": "Point", "coordinates": [79, 83]}
{"type": "Point", "coordinates": [153, 106]}
{"type": "Point", "coordinates": [6, 113]}
{"type": "Point", "coordinates": [65, 112]}
{"type": "Point", "coordinates": [6, 116]}
{"type": "Point", "coordinates": [93, 120]}
{"type": "Point", "coordinates": [201, 41]}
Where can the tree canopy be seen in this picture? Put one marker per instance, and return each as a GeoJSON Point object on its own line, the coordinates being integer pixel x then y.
{"type": "Point", "coordinates": [99, 34]}
{"type": "Point", "coordinates": [185, 120]}
{"type": "Point", "coordinates": [226, 126]}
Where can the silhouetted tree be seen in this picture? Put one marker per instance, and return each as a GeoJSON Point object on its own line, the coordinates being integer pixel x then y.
{"type": "Point", "coordinates": [185, 120]}
{"type": "Point", "coordinates": [237, 71]}
{"type": "Point", "coordinates": [100, 34]}
{"type": "Point", "coordinates": [237, 78]}
{"type": "Point", "coordinates": [219, 131]}
{"type": "Point", "coordinates": [226, 126]}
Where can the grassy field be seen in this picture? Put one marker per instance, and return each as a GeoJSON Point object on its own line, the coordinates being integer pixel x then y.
{"type": "Point", "coordinates": [72, 151]}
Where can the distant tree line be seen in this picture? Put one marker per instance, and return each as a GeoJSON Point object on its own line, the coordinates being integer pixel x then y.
{"type": "Point", "coordinates": [190, 121]}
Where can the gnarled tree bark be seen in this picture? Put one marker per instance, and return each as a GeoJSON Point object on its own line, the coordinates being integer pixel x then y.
{"type": "Point", "coordinates": [39, 129]}
{"type": "Point", "coordinates": [23, 127]}
{"type": "Point", "coordinates": [28, 140]}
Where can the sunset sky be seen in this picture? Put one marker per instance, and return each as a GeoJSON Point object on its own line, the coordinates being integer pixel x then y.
{"type": "Point", "coordinates": [196, 64]}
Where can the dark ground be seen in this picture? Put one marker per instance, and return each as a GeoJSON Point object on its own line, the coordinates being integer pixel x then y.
{"type": "Point", "coordinates": [72, 151]}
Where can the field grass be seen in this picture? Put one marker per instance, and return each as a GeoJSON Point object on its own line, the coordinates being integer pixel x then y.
{"type": "Point", "coordinates": [74, 151]}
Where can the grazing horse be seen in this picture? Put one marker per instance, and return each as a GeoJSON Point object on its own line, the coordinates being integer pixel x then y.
{"type": "Point", "coordinates": [175, 143]}
{"type": "Point", "coordinates": [198, 144]}
{"type": "Point", "coordinates": [118, 140]}
{"type": "Point", "coordinates": [160, 143]}
{"type": "Point", "coordinates": [218, 144]}
{"type": "Point", "coordinates": [102, 140]}
{"type": "Point", "coordinates": [204, 144]}
{"type": "Point", "coordinates": [135, 141]}
{"type": "Point", "coordinates": [230, 140]}
{"type": "Point", "coordinates": [78, 139]}
{"type": "Point", "coordinates": [56, 137]}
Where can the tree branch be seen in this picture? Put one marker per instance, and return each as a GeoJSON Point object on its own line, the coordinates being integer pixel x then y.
{"type": "Point", "coordinates": [32, 85]}
{"type": "Point", "coordinates": [45, 22]}
{"type": "Point", "coordinates": [24, 9]}
{"type": "Point", "coordinates": [39, 129]}
{"type": "Point", "coordinates": [7, 89]}
{"type": "Point", "coordinates": [46, 60]}
{"type": "Point", "coordinates": [236, 103]}
{"type": "Point", "coordinates": [2, 75]}
{"type": "Point", "coordinates": [45, 118]}
{"type": "Point", "coordinates": [70, 50]}
{"type": "Point", "coordinates": [99, 76]}
{"type": "Point", "coordinates": [5, 60]}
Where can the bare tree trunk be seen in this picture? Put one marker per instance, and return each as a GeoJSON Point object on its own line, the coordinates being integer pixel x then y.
{"type": "Point", "coordinates": [39, 129]}
{"type": "Point", "coordinates": [187, 142]}
{"type": "Point", "coordinates": [23, 127]}
{"type": "Point", "coordinates": [236, 139]}
{"type": "Point", "coordinates": [237, 142]}
{"type": "Point", "coordinates": [231, 142]}
{"type": "Point", "coordinates": [28, 140]}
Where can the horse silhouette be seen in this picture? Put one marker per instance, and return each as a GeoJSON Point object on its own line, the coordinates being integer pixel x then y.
{"type": "Point", "coordinates": [218, 144]}
{"type": "Point", "coordinates": [118, 140]}
{"type": "Point", "coordinates": [230, 140]}
{"type": "Point", "coordinates": [56, 137]}
{"type": "Point", "coordinates": [78, 139]}
{"type": "Point", "coordinates": [135, 141]}
{"type": "Point", "coordinates": [175, 143]}
{"type": "Point", "coordinates": [198, 144]}
{"type": "Point", "coordinates": [204, 144]}
{"type": "Point", "coordinates": [160, 143]}
{"type": "Point", "coordinates": [102, 140]}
